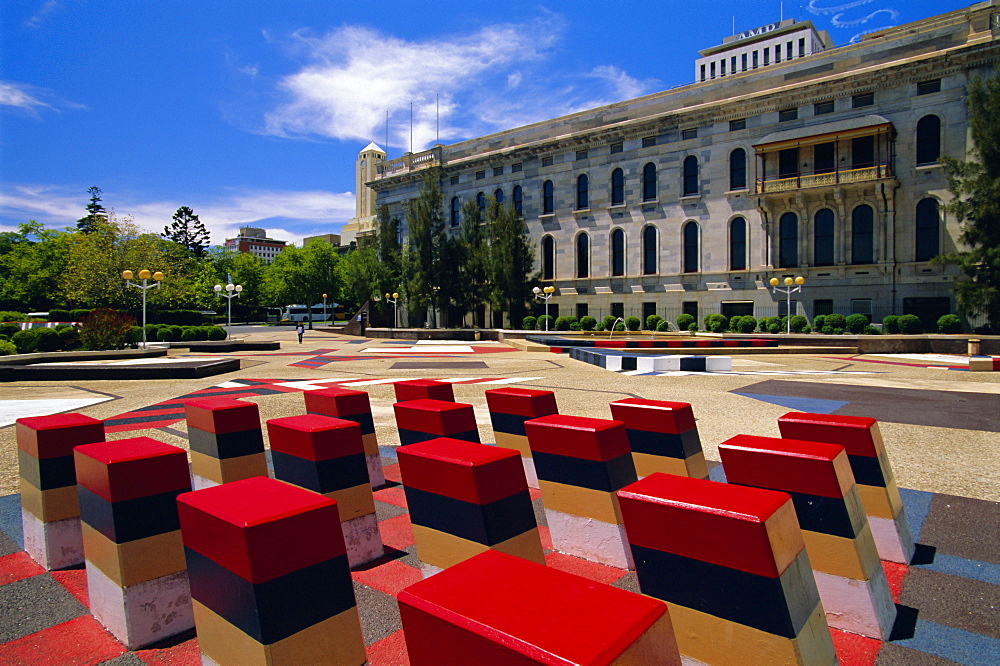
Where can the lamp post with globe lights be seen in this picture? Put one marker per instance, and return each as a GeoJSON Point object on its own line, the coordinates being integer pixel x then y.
{"type": "Point", "coordinates": [395, 307]}
{"type": "Point", "coordinates": [324, 310]}
{"type": "Point", "coordinates": [788, 291]}
{"type": "Point", "coordinates": [544, 294]}
{"type": "Point", "coordinates": [232, 291]}
{"type": "Point", "coordinates": [144, 275]}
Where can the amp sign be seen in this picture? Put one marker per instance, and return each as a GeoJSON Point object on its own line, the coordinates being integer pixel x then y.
{"type": "Point", "coordinates": [757, 31]}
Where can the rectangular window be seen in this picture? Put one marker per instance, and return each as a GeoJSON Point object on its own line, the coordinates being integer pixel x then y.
{"type": "Point", "coordinates": [783, 307]}
{"type": "Point", "coordinates": [864, 99]}
{"type": "Point", "coordinates": [777, 53]}
{"type": "Point", "coordinates": [736, 125]}
{"type": "Point", "coordinates": [863, 152]}
{"type": "Point", "coordinates": [617, 147]}
{"type": "Point", "coordinates": [722, 66]}
{"type": "Point", "coordinates": [690, 133]}
{"type": "Point", "coordinates": [732, 64]}
{"type": "Point", "coordinates": [690, 308]}
{"type": "Point", "coordinates": [823, 157]}
{"type": "Point", "coordinates": [515, 168]}
{"type": "Point", "coordinates": [744, 58]}
{"type": "Point", "coordinates": [480, 175]}
{"type": "Point", "coordinates": [788, 163]}
{"type": "Point", "coordinates": [821, 108]}
{"type": "Point", "coordinates": [582, 310]}
{"type": "Point", "coordinates": [702, 72]}
{"type": "Point", "coordinates": [648, 141]}
{"type": "Point", "coordinates": [581, 154]}
{"type": "Point", "coordinates": [755, 54]}
{"type": "Point", "coordinates": [498, 171]}
{"type": "Point", "coordinates": [862, 306]}
{"type": "Point", "coordinates": [767, 56]}
{"type": "Point", "coordinates": [788, 114]}
{"type": "Point", "coordinates": [737, 308]}
{"type": "Point", "coordinates": [454, 180]}
{"type": "Point", "coordinates": [928, 87]}
{"type": "Point", "coordinates": [802, 47]}
{"type": "Point", "coordinates": [788, 51]}
{"type": "Point", "coordinates": [711, 70]}
{"type": "Point", "coordinates": [618, 310]}
{"type": "Point", "coordinates": [547, 161]}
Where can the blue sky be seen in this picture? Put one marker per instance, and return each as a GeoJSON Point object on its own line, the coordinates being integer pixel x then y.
{"type": "Point", "coordinates": [252, 112]}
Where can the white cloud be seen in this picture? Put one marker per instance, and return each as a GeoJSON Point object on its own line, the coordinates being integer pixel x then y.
{"type": "Point", "coordinates": [48, 7]}
{"type": "Point", "coordinates": [21, 96]}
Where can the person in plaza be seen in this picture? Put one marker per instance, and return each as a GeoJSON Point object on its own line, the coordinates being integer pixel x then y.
{"type": "Point", "coordinates": [299, 330]}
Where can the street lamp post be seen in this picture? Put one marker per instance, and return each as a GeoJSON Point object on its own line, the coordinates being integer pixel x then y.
{"type": "Point", "coordinates": [324, 308]}
{"type": "Point", "coordinates": [788, 291]}
{"type": "Point", "coordinates": [395, 307]}
{"type": "Point", "coordinates": [144, 275]}
{"type": "Point", "coordinates": [232, 291]}
{"type": "Point", "coordinates": [544, 294]}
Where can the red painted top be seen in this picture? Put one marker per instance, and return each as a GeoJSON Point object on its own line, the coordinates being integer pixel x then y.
{"type": "Point", "coordinates": [654, 415]}
{"type": "Point", "coordinates": [315, 437]}
{"type": "Point", "coordinates": [416, 389]}
{"type": "Point", "coordinates": [713, 522]}
{"type": "Point", "coordinates": [438, 417]}
{"type": "Point", "coordinates": [465, 471]}
{"type": "Point", "coordinates": [544, 614]}
{"type": "Point", "coordinates": [789, 465]}
{"type": "Point", "coordinates": [339, 402]}
{"type": "Point", "coordinates": [521, 402]}
{"type": "Point", "coordinates": [55, 435]}
{"type": "Point", "coordinates": [577, 437]}
{"type": "Point", "coordinates": [261, 528]}
{"type": "Point", "coordinates": [129, 468]}
{"type": "Point", "coordinates": [221, 415]}
{"type": "Point", "coordinates": [858, 434]}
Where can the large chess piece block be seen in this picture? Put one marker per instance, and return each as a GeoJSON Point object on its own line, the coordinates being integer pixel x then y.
{"type": "Point", "coordinates": [866, 452]}
{"type": "Point", "coordinates": [423, 389]}
{"type": "Point", "coordinates": [732, 566]}
{"type": "Point", "coordinates": [327, 455]}
{"type": "Point", "coordinates": [499, 609]}
{"type": "Point", "coordinates": [50, 511]}
{"type": "Point", "coordinates": [136, 574]}
{"type": "Point", "coordinates": [581, 462]}
{"type": "Point", "coordinates": [663, 437]}
{"type": "Point", "coordinates": [466, 498]}
{"type": "Point", "coordinates": [509, 408]}
{"type": "Point", "coordinates": [850, 578]}
{"type": "Point", "coordinates": [354, 406]}
{"type": "Point", "coordinates": [270, 582]}
{"type": "Point", "coordinates": [226, 441]}
{"type": "Point", "coordinates": [420, 420]}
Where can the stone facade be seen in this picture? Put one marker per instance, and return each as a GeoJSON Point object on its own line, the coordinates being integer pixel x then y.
{"type": "Point", "coordinates": [840, 182]}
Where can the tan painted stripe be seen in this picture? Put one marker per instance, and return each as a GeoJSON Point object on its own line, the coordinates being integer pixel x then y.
{"type": "Point", "coordinates": [656, 646]}
{"type": "Point", "coordinates": [353, 502]}
{"type": "Point", "coordinates": [50, 505]}
{"type": "Point", "coordinates": [443, 550]}
{"type": "Point", "coordinates": [850, 558]}
{"type": "Point", "coordinates": [370, 442]}
{"type": "Point", "coordinates": [578, 501]}
{"type": "Point", "coordinates": [518, 442]}
{"type": "Point", "coordinates": [527, 546]}
{"type": "Point", "coordinates": [228, 469]}
{"type": "Point", "coordinates": [694, 467]}
{"type": "Point", "coordinates": [881, 502]}
{"type": "Point", "coordinates": [136, 561]}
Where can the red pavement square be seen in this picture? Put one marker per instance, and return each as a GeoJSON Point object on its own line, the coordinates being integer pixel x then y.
{"type": "Point", "coordinates": [397, 532]}
{"type": "Point", "coordinates": [391, 473]}
{"type": "Point", "coordinates": [393, 495]}
{"type": "Point", "coordinates": [600, 573]}
{"type": "Point", "coordinates": [183, 653]}
{"type": "Point", "coordinates": [853, 649]}
{"type": "Point", "coordinates": [535, 493]}
{"type": "Point", "coordinates": [390, 651]}
{"type": "Point", "coordinates": [390, 577]}
{"type": "Point", "coordinates": [546, 537]}
{"type": "Point", "coordinates": [18, 566]}
{"type": "Point", "coordinates": [75, 582]}
{"type": "Point", "coordinates": [80, 641]}
{"type": "Point", "coordinates": [895, 573]}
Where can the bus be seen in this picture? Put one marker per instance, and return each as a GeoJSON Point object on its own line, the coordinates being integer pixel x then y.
{"type": "Point", "coordinates": [298, 312]}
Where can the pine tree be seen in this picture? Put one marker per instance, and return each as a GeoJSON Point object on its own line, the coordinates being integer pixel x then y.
{"type": "Point", "coordinates": [95, 212]}
{"type": "Point", "coordinates": [188, 230]}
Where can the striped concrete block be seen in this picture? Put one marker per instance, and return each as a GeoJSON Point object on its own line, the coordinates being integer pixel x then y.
{"type": "Point", "coordinates": [423, 389]}
{"type": "Point", "coordinates": [420, 420]}
{"type": "Point", "coordinates": [732, 566]}
{"type": "Point", "coordinates": [326, 455]}
{"type": "Point", "coordinates": [866, 452]}
{"type": "Point", "coordinates": [464, 499]}
{"type": "Point", "coordinates": [136, 576]}
{"type": "Point", "coordinates": [663, 437]}
{"type": "Point", "coordinates": [354, 406]}
{"type": "Point", "coordinates": [509, 408]}
{"type": "Point", "coordinates": [850, 578]}
{"type": "Point", "coordinates": [226, 441]}
{"type": "Point", "coordinates": [984, 363]}
{"type": "Point", "coordinates": [270, 582]}
{"type": "Point", "coordinates": [535, 614]}
{"type": "Point", "coordinates": [50, 510]}
{"type": "Point", "coordinates": [687, 363]}
{"type": "Point", "coordinates": [581, 462]}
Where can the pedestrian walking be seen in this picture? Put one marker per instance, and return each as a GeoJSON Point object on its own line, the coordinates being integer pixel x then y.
{"type": "Point", "coordinates": [300, 329]}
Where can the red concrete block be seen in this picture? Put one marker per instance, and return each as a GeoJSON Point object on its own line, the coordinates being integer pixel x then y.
{"type": "Point", "coordinates": [522, 402]}
{"type": "Point", "coordinates": [465, 471]}
{"type": "Point", "coordinates": [578, 437]}
{"type": "Point", "coordinates": [423, 389]}
{"type": "Point", "coordinates": [654, 415]}
{"type": "Point", "coordinates": [54, 436]}
{"type": "Point", "coordinates": [792, 466]}
{"type": "Point", "coordinates": [435, 416]}
{"type": "Point", "coordinates": [315, 437]}
{"type": "Point", "coordinates": [261, 528]}
{"type": "Point", "coordinates": [129, 468]}
{"type": "Point", "coordinates": [854, 433]}
{"type": "Point", "coordinates": [221, 415]}
{"type": "Point", "coordinates": [337, 402]}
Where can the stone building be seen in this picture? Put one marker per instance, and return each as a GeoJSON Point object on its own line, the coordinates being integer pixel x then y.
{"type": "Point", "coordinates": [252, 240]}
{"type": "Point", "coordinates": [823, 165]}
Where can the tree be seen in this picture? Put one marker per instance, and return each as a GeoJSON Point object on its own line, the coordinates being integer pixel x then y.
{"type": "Point", "coordinates": [426, 272]}
{"type": "Point", "coordinates": [32, 263]}
{"type": "Point", "coordinates": [511, 260]}
{"type": "Point", "coordinates": [474, 265]}
{"type": "Point", "coordinates": [302, 275]}
{"type": "Point", "coordinates": [95, 211]}
{"type": "Point", "coordinates": [187, 230]}
{"type": "Point", "coordinates": [975, 185]}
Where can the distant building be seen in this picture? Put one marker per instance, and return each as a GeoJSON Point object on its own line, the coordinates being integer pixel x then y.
{"type": "Point", "coordinates": [255, 241]}
{"type": "Point", "coordinates": [332, 239]}
{"type": "Point", "coordinates": [366, 170]}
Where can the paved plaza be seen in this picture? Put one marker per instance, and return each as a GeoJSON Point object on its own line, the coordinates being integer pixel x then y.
{"type": "Point", "coordinates": [940, 424]}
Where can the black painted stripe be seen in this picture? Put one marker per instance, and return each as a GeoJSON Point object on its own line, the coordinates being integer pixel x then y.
{"type": "Point", "coordinates": [47, 473]}
{"type": "Point", "coordinates": [666, 444]}
{"type": "Point", "coordinates": [512, 424]}
{"type": "Point", "coordinates": [226, 445]}
{"type": "Point", "coordinates": [132, 519]}
{"type": "Point", "coordinates": [867, 470]}
{"type": "Point", "coordinates": [321, 476]}
{"type": "Point", "coordinates": [488, 524]}
{"type": "Point", "coordinates": [415, 436]}
{"type": "Point", "coordinates": [608, 476]}
{"type": "Point", "coordinates": [826, 515]}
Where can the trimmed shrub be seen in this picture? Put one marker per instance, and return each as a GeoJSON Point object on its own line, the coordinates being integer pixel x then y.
{"type": "Point", "coordinates": [684, 322]}
{"type": "Point", "coordinates": [203, 332]}
{"type": "Point", "coordinates": [819, 321]}
{"type": "Point", "coordinates": [4, 337]}
{"type": "Point", "coordinates": [528, 323]}
{"type": "Point", "coordinates": [652, 321]}
{"type": "Point", "coordinates": [910, 325]}
{"type": "Point", "coordinates": [151, 330]}
{"type": "Point", "coordinates": [575, 326]}
{"type": "Point", "coordinates": [69, 337]}
{"type": "Point", "coordinates": [541, 321]}
{"type": "Point", "coordinates": [949, 323]}
{"type": "Point", "coordinates": [890, 324]}
{"type": "Point", "coordinates": [607, 323]}
{"type": "Point", "coordinates": [837, 331]}
{"type": "Point", "coordinates": [563, 323]}
{"type": "Point", "coordinates": [827, 330]}
{"type": "Point", "coordinates": [79, 315]}
{"type": "Point", "coordinates": [807, 329]}
{"type": "Point", "coordinates": [216, 333]}
{"type": "Point", "coordinates": [7, 348]}
{"type": "Point", "coordinates": [693, 327]}
{"type": "Point", "coordinates": [836, 321]}
{"type": "Point", "coordinates": [59, 315]}
{"type": "Point", "coordinates": [871, 330]}
{"type": "Point", "coordinates": [165, 334]}
{"type": "Point", "coordinates": [26, 341]}
{"type": "Point", "coordinates": [134, 337]}
{"type": "Point", "coordinates": [747, 324]}
{"type": "Point", "coordinates": [189, 334]}
{"type": "Point", "coordinates": [632, 323]}
{"type": "Point", "coordinates": [774, 326]}
{"type": "Point", "coordinates": [798, 322]}
{"type": "Point", "coordinates": [663, 326]}
{"type": "Point", "coordinates": [10, 315]}
{"type": "Point", "coordinates": [716, 323]}
{"type": "Point", "coordinates": [619, 326]}
{"type": "Point", "coordinates": [856, 323]}
{"type": "Point", "coordinates": [9, 328]}
{"type": "Point", "coordinates": [47, 339]}
{"type": "Point", "coordinates": [105, 328]}
{"type": "Point", "coordinates": [588, 323]}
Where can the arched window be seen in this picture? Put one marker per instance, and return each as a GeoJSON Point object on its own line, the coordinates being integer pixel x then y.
{"type": "Point", "coordinates": [690, 175]}
{"type": "Point", "coordinates": [481, 203]}
{"type": "Point", "coordinates": [617, 187]}
{"type": "Point", "coordinates": [863, 235]}
{"type": "Point", "coordinates": [518, 196]}
{"type": "Point", "coordinates": [548, 198]}
{"type": "Point", "coordinates": [498, 195]}
{"type": "Point", "coordinates": [548, 258]}
{"type": "Point", "coordinates": [456, 211]}
{"type": "Point", "coordinates": [738, 169]}
{"type": "Point", "coordinates": [691, 247]}
{"type": "Point", "coordinates": [788, 241]}
{"type": "Point", "coordinates": [928, 230]}
{"type": "Point", "coordinates": [649, 182]}
{"type": "Point", "coordinates": [582, 192]}
{"type": "Point", "coordinates": [738, 244]}
{"type": "Point", "coordinates": [649, 250]}
{"type": "Point", "coordinates": [928, 140]}
{"type": "Point", "coordinates": [823, 238]}
{"type": "Point", "coordinates": [617, 252]}
{"type": "Point", "coordinates": [583, 256]}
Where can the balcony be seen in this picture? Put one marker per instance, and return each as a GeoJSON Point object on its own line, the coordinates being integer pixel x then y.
{"type": "Point", "coordinates": [410, 162]}
{"type": "Point", "coordinates": [828, 179]}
